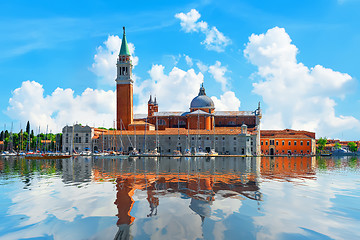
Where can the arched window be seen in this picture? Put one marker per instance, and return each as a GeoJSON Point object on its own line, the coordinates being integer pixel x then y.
{"type": "Point", "coordinates": [182, 123]}
{"type": "Point", "coordinates": [161, 122]}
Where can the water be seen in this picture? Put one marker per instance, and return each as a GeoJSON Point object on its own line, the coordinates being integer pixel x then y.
{"type": "Point", "coordinates": [180, 198]}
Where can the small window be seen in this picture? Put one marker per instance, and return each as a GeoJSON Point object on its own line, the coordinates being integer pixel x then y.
{"type": "Point", "coordinates": [283, 143]}
{"type": "Point", "coordinates": [277, 143]}
{"type": "Point", "coordinates": [266, 143]}
{"type": "Point", "coordinates": [169, 138]}
{"type": "Point", "coordinates": [294, 143]}
{"type": "Point", "coordinates": [262, 143]}
{"type": "Point", "coordinates": [234, 149]}
{"type": "Point", "coordinates": [301, 143]}
{"type": "Point", "coordinates": [308, 143]}
{"type": "Point", "coordinates": [223, 138]}
{"type": "Point", "coordinates": [289, 143]}
{"type": "Point", "coordinates": [216, 138]}
{"type": "Point", "coordinates": [234, 138]}
{"type": "Point", "coordinates": [206, 138]}
{"type": "Point", "coordinates": [192, 138]}
{"type": "Point", "coordinates": [271, 142]}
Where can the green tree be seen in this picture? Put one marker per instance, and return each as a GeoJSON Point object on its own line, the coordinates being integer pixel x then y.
{"type": "Point", "coordinates": [2, 136]}
{"type": "Point", "coordinates": [352, 146]}
{"type": "Point", "coordinates": [28, 127]}
{"type": "Point", "coordinates": [337, 145]}
{"type": "Point", "coordinates": [321, 143]}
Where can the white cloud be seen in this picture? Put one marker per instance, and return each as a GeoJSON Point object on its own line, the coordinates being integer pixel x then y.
{"type": "Point", "coordinates": [297, 97]}
{"type": "Point", "coordinates": [227, 102]}
{"type": "Point", "coordinates": [218, 72]}
{"type": "Point", "coordinates": [174, 91]}
{"type": "Point", "coordinates": [202, 67]}
{"type": "Point", "coordinates": [61, 107]}
{"type": "Point", "coordinates": [214, 39]}
{"type": "Point", "coordinates": [188, 60]}
{"type": "Point", "coordinates": [104, 65]}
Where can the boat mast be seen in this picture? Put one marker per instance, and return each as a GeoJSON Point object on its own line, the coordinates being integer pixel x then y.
{"type": "Point", "coordinates": [157, 135]}
{"type": "Point", "coordinates": [145, 136]}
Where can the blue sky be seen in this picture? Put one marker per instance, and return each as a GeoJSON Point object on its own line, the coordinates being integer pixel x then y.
{"type": "Point", "coordinates": [49, 45]}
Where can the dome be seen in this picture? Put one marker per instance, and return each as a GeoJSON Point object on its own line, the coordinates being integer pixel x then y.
{"type": "Point", "coordinates": [202, 101]}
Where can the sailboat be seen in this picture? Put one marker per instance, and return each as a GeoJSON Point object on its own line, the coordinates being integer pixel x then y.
{"type": "Point", "coordinates": [200, 152]}
{"type": "Point", "coordinates": [212, 151]}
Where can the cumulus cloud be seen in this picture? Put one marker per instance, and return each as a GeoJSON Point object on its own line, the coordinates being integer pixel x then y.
{"type": "Point", "coordinates": [227, 102]}
{"type": "Point", "coordinates": [104, 65]}
{"type": "Point", "coordinates": [174, 91]}
{"type": "Point", "coordinates": [218, 73]}
{"type": "Point", "coordinates": [297, 97]}
{"type": "Point", "coordinates": [214, 39]}
{"type": "Point", "coordinates": [61, 107]}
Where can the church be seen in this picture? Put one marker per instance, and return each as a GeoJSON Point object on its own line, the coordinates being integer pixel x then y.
{"type": "Point", "coordinates": [201, 128]}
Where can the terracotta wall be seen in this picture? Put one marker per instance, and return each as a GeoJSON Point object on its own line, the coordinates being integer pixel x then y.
{"type": "Point", "coordinates": [279, 148]}
{"type": "Point", "coordinates": [124, 105]}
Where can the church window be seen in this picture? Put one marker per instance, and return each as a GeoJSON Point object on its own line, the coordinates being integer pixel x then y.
{"type": "Point", "coordinates": [161, 122]}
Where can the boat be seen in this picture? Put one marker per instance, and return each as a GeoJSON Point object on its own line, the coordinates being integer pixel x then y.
{"type": "Point", "coordinates": [46, 156]}
{"type": "Point", "coordinates": [213, 153]}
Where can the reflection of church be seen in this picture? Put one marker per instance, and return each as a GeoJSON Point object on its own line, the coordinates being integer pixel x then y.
{"type": "Point", "coordinates": [198, 179]}
{"type": "Point", "coordinates": [234, 132]}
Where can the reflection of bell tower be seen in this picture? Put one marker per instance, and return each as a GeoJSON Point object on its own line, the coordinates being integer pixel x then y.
{"type": "Point", "coordinates": [124, 87]}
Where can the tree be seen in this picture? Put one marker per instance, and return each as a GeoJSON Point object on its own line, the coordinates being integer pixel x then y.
{"type": "Point", "coordinates": [337, 145]}
{"type": "Point", "coordinates": [28, 128]}
{"type": "Point", "coordinates": [321, 143]}
{"type": "Point", "coordinates": [2, 136]}
{"type": "Point", "coordinates": [352, 146]}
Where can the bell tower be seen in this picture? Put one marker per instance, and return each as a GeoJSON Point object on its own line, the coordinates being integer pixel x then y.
{"type": "Point", "coordinates": [124, 87]}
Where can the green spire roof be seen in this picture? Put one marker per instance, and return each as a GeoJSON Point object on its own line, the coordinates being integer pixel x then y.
{"type": "Point", "coordinates": [124, 50]}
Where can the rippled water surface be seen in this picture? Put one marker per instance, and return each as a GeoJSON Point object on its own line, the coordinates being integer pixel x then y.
{"type": "Point", "coordinates": [180, 198]}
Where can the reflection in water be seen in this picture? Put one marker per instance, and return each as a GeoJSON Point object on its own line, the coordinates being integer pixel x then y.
{"type": "Point", "coordinates": [196, 178]}
{"type": "Point", "coordinates": [211, 188]}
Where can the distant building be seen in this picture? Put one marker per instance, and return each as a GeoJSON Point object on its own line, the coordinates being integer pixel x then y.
{"type": "Point", "coordinates": [77, 138]}
{"type": "Point", "coordinates": [281, 142]}
{"type": "Point", "coordinates": [330, 144]}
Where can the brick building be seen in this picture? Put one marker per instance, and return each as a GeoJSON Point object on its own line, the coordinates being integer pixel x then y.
{"type": "Point", "coordinates": [281, 142]}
